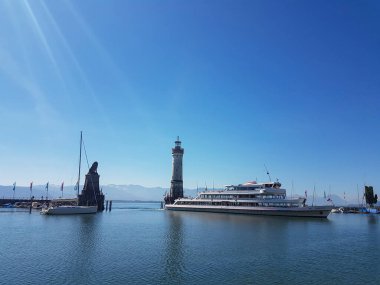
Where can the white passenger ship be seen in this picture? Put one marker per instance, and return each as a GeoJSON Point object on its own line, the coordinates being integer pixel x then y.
{"type": "Point", "coordinates": [250, 198]}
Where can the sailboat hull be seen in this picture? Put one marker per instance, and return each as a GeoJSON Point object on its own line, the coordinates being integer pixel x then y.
{"type": "Point", "coordinates": [69, 210]}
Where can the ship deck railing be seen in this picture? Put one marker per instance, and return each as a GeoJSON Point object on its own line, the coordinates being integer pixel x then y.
{"type": "Point", "coordinates": [249, 203]}
{"type": "Point", "coordinates": [259, 200]}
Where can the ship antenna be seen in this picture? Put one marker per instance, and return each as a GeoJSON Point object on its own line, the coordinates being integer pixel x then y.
{"type": "Point", "coordinates": [270, 179]}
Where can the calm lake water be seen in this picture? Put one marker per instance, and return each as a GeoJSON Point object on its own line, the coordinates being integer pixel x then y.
{"type": "Point", "coordinates": [137, 243]}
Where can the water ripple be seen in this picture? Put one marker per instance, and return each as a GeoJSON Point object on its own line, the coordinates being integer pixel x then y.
{"type": "Point", "coordinates": [150, 246]}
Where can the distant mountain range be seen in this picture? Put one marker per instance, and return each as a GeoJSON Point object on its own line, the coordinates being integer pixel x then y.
{"type": "Point", "coordinates": [112, 192]}
{"type": "Point", "coordinates": [130, 193]}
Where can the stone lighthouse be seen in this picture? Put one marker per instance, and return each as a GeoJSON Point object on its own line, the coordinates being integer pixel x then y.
{"type": "Point", "coordinates": [176, 186]}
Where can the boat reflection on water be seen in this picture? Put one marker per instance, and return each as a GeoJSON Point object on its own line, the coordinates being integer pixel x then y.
{"type": "Point", "coordinates": [373, 219]}
{"type": "Point", "coordinates": [86, 247]}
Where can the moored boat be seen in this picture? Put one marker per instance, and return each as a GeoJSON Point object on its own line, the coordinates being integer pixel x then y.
{"type": "Point", "coordinates": [250, 198]}
{"type": "Point", "coordinates": [69, 210]}
{"type": "Point", "coordinates": [37, 205]}
{"type": "Point", "coordinates": [339, 210]}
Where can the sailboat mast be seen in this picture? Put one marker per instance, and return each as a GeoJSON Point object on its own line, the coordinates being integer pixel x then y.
{"type": "Point", "coordinates": [80, 160]}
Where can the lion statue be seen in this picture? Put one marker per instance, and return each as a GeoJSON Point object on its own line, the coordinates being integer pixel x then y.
{"type": "Point", "coordinates": [94, 168]}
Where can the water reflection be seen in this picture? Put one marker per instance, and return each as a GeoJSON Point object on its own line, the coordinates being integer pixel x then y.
{"type": "Point", "coordinates": [174, 242]}
{"type": "Point", "coordinates": [164, 247]}
{"type": "Point", "coordinates": [372, 219]}
{"type": "Point", "coordinates": [85, 248]}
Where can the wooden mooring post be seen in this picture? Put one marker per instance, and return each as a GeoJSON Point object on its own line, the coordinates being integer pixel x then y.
{"type": "Point", "coordinates": [31, 203]}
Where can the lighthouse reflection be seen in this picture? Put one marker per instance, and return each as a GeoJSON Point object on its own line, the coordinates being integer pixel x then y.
{"type": "Point", "coordinates": [174, 254]}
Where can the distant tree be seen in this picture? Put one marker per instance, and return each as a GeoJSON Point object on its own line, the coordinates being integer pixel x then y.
{"type": "Point", "coordinates": [369, 197]}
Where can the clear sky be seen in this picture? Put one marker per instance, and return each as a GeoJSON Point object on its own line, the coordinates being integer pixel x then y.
{"type": "Point", "coordinates": [293, 85]}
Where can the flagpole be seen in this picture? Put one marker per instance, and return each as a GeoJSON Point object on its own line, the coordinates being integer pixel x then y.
{"type": "Point", "coordinates": [14, 190]}
{"type": "Point", "coordinates": [47, 190]}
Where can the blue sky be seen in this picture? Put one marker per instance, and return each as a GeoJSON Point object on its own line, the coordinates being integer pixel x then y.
{"type": "Point", "coordinates": [293, 85]}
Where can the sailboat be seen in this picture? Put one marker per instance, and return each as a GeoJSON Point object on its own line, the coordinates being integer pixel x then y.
{"type": "Point", "coordinates": [71, 209]}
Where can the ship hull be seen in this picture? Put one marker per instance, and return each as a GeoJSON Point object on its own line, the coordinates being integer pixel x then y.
{"type": "Point", "coordinates": [309, 212]}
{"type": "Point", "coordinates": [70, 210]}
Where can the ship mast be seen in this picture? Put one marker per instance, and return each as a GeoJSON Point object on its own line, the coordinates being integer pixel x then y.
{"type": "Point", "coordinates": [80, 160]}
{"type": "Point", "coordinates": [270, 179]}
